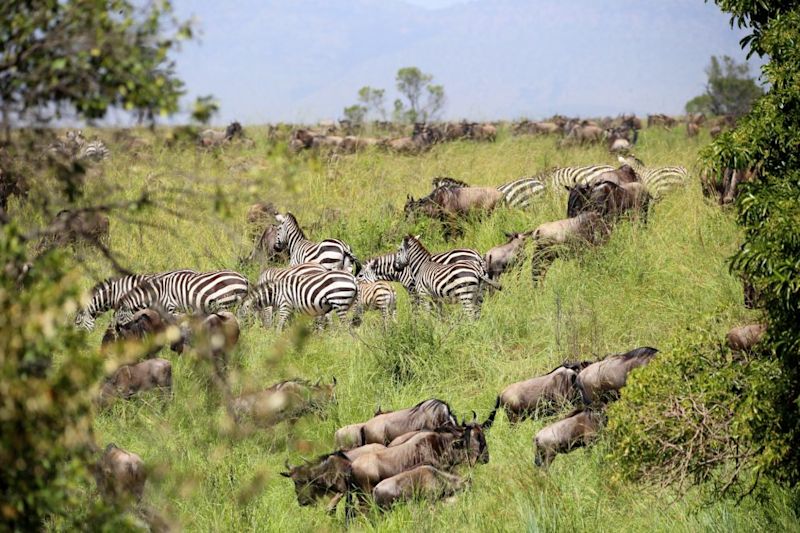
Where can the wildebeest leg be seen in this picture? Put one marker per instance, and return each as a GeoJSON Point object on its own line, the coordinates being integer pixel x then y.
{"type": "Point", "coordinates": [331, 507]}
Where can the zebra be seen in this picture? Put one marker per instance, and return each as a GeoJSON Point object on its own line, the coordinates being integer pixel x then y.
{"type": "Point", "coordinates": [74, 146]}
{"type": "Point", "coordinates": [94, 151]}
{"type": "Point", "coordinates": [314, 294]}
{"type": "Point", "coordinates": [274, 275]}
{"type": "Point", "coordinates": [520, 192]}
{"type": "Point", "coordinates": [562, 177]}
{"type": "Point", "coordinates": [461, 281]}
{"type": "Point", "coordinates": [105, 296]}
{"type": "Point", "coordinates": [375, 295]}
{"type": "Point", "coordinates": [381, 267]}
{"type": "Point", "coordinates": [657, 180]}
{"type": "Point", "coordinates": [185, 290]}
{"type": "Point", "coordinates": [330, 253]}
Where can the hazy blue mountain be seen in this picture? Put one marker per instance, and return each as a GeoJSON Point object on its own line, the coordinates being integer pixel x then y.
{"type": "Point", "coordinates": [304, 60]}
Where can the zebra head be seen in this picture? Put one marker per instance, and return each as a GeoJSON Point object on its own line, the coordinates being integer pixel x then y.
{"type": "Point", "coordinates": [287, 222]}
{"type": "Point", "coordinates": [84, 320]}
{"type": "Point", "coordinates": [123, 314]}
{"type": "Point", "coordinates": [401, 258]}
{"type": "Point", "coordinates": [367, 273]}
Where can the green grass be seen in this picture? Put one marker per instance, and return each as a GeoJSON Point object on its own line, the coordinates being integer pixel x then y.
{"type": "Point", "coordinates": [643, 288]}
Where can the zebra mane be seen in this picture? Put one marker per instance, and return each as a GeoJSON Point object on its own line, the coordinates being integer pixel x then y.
{"type": "Point", "coordinates": [291, 219]}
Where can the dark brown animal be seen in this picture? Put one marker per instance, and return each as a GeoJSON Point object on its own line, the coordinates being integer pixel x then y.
{"type": "Point", "coordinates": [424, 482]}
{"type": "Point", "coordinates": [543, 394]}
{"type": "Point", "coordinates": [120, 475]}
{"type": "Point", "coordinates": [288, 400]}
{"type": "Point", "coordinates": [609, 199]}
{"type": "Point", "coordinates": [385, 427]}
{"type": "Point", "coordinates": [578, 429]}
{"type": "Point", "coordinates": [348, 437]}
{"type": "Point", "coordinates": [213, 336]}
{"type": "Point", "coordinates": [70, 227]}
{"type": "Point", "coordinates": [602, 380]}
{"type": "Point", "coordinates": [744, 338]}
{"type": "Point", "coordinates": [128, 380]}
{"type": "Point", "coordinates": [624, 174]}
{"type": "Point", "coordinates": [692, 129]}
{"type": "Point", "coordinates": [145, 327]}
{"type": "Point", "coordinates": [456, 201]}
{"type": "Point", "coordinates": [330, 475]}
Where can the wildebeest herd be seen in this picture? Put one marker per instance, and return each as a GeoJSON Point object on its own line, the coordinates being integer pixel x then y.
{"type": "Point", "coordinates": [409, 452]}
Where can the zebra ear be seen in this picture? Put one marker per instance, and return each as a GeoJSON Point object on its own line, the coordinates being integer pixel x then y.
{"type": "Point", "coordinates": [416, 237]}
{"type": "Point", "coordinates": [280, 218]}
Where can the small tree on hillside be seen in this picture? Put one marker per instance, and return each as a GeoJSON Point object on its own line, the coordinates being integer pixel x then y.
{"type": "Point", "coordinates": [372, 101]}
{"type": "Point", "coordinates": [355, 113]}
{"type": "Point", "coordinates": [416, 86]}
{"type": "Point", "coordinates": [730, 89]}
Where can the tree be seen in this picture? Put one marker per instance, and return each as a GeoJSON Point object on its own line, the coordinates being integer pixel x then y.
{"type": "Point", "coordinates": [372, 101]}
{"type": "Point", "coordinates": [355, 113]}
{"type": "Point", "coordinates": [87, 56]}
{"type": "Point", "coordinates": [730, 89]}
{"type": "Point", "coordinates": [204, 108]}
{"type": "Point", "coordinates": [413, 84]}
{"type": "Point", "coordinates": [739, 414]}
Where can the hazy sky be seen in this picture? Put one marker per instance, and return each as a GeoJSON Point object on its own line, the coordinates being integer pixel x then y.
{"type": "Point", "coordinates": [304, 60]}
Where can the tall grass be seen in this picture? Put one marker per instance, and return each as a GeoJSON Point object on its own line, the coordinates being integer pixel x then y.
{"type": "Point", "coordinates": [646, 285]}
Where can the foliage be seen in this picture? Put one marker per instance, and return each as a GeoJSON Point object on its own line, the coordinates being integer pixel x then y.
{"type": "Point", "coordinates": [87, 55]}
{"type": "Point", "coordinates": [413, 84]}
{"type": "Point", "coordinates": [355, 113]}
{"type": "Point", "coordinates": [372, 101]}
{"type": "Point", "coordinates": [730, 89]}
{"type": "Point", "coordinates": [760, 396]}
{"type": "Point", "coordinates": [204, 108]}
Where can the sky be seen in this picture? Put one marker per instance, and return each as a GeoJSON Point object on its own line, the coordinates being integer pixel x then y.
{"type": "Point", "coordinates": [304, 60]}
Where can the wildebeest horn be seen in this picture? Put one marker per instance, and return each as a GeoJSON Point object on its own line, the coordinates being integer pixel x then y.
{"type": "Point", "coordinates": [489, 421]}
{"type": "Point", "coordinates": [334, 381]}
{"type": "Point", "coordinates": [286, 465]}
{"type": "Point", "coordinates": [474, 415]}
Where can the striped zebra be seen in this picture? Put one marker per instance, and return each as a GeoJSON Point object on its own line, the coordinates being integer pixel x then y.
{"type": "Point", "coordinates": [558, 178]}
{"type": "Point", "coordinates": [381, 267]}
{"type": "Point", "coordinates": [333, 254]}
{"type": "Point", "coordinates": [105, 296]}
{"type": "Point", "coordinates": [94, 151]}
{"type": "Point", "coordinates": [520, 192]}
{"type": "Point", "coordinates": [74, 146]}
{"type": "Point", "coordinates": [186, 291]}
{"type": "Point", "coordinates": [658, 180]}
{"type": "Point", "coordinates": [461, 281]}
{"type": "Point", "coordinates": [314, 294]}
{"type": "Point", "coordinates": [375, 296]}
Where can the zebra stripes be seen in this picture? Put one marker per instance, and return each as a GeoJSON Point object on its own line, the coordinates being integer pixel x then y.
{"type": "Point", "coordinates": [657, 180]}
{"type": "Point", "coordinates": [94, 151]}
{"type": "Point", "coordinates": [378, 296]}
{"type": "Point", "coordinates": [75, 146]}
{"type": "Point", "coordinates": [187, 291]}
{"type": "Point", "coordinates": [520, 192]}
{"type": "Point", "coordinates": [461, 281]}
{"type": "Point", "coordinates": [275, 274]}
{"type": "Point", "coordinates": [314, 294]}
{"type": "Point", "coordinates": [559, 178]}
{"type": "Point", "coordinates": [106, 295]}
{"type": "Point", "coordinates": [332, 254]}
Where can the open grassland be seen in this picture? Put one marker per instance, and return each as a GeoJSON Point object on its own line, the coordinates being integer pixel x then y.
{"type": "Point", "coordinates": [645, 287]}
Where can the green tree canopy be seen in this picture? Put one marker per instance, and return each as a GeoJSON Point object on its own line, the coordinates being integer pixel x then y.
{"type": "Point", "coordinates": [414, 84]}
{"type": "Point", "coordinates": [372, 101]}
{"type": "Point", "coordinates": [730, 89]}
{"type": "Point", "coordinates": [87, 56]}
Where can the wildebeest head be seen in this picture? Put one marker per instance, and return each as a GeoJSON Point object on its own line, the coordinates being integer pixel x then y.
{"type": "Point", "coordinates": [473, 437]}
{"type": "Point", "coordinates": [330, 474]}
{"type": "Point", "coordinates": [579, 198]}
{"type": "Point", "coordinates": [233, 129]}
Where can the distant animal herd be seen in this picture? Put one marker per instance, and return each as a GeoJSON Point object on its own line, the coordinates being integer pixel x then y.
{"type": "Point", "coordinates": [408, 452]}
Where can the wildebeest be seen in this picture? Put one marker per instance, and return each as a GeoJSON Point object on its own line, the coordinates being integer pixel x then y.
{"type": "Point", "coordinates": [552, 237]}
{"type": "Point", "coordinates": [119, 474]}
{"type": "Point", "coordinates": [578, 429]}
{"type": "Point", "coordinates": [422, 482]}
{"type": "Point", "coordinates": [584, 134]}
{"type": "Point", "coordinates": [743, 338]}
{"type": "Point", "coordinates": [287, 400]}
{"type": "Point", "coordinates": [428, 414]}
{"type": "Point", "coordinates": [129, 380]}
{"type": "Point", "coordinates": [69, 227]}
{"type": "Point", "coordinates": [602, 380]}
{"type": "Point", "coordinates": [456, 201]}
{"type": "Point", "coordinates": [692, 129]}
{"type": "Point", "coordinates": [330, 475]}
{"type": "Point", "coordinates": [624, 174]}
{"type": "Point", "coordinates": [543, 394]}
{"type": "Point", "coordinates": [502, 257]}
{"type": "Point", "coordinates": [210, 137]}
{"type": "Point", "coordinates": [214, 336]}
{"type": "Point", "coordinates": [609, 199]}
{"type": "Point", "coordinates": [145, 325]}
{"type": "Point", "coordinates": [348, 437]}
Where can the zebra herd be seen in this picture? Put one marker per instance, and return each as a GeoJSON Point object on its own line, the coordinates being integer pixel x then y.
{"type": "Point", "coordinates": [74, 146]}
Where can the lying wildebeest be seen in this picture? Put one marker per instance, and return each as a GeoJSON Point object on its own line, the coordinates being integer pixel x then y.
{"type": "Point", "coordinates": [287, 400]}
{"type": "Point", "coordinates": [443, 448]}
{"type": "Point", "coordinates": [330, 475]}
{"type": "Point", "coordinates": [120, 475]}
{"type": "Point", "coordinates": [544, 394]}
{"type": "Point", "coordinates": [215, 138]}
{"type": "Point", "coordinates": [145, 325]}
{"type": "Point", "coordinates": [578, 429]}
{"type": "Point", "coordinates": [575, 232]}
{"type": "Point", "coordinates": [609, 199]}
{"type": "Point", "coordinates": [385, 427]}
{"type": "Point", "coordinates": [421, 482]}
{"type": "Point", "coordinates": [504, 256]}
{"type": "Point", "coordinates": [455, 201]}
{"type": "Point", "coordinates": [214, 336]}
{"type": "Point", "coordinates": [744, 338]}
{"type": "Point", "coordinates": [602, 380]}
{"type": "Point", "coordinates": [129, 380]}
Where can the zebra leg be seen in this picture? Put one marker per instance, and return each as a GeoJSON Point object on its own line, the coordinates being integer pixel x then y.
{"type": "Point", "coordinates": [284, 312]}
{"type": "Point", "coordinates": [471, 304]}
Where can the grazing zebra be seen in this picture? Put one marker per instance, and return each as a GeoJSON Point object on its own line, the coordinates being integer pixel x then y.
{"type": "Point", "coordinates": [275, 274]}
{"type": "Point", "coordinates": [105, 296]}
{"type": "Point", "coordinates": [375, 295]}
{"type": "Point", "coordinates": [461, 281]}
{"type": "Point", "coordinates": [94, 151]}
{"type": "Point", "coordinates": [185, 290]}
{"type": "Point", "coordinates": [333, 254]}
{"type": "Point", "coordinates": [658, 180]}
{"type": "Point", "coordinates": [520, 192]}
{"type": "Point", "coordinates": [571, 176]}
{"type": "Point", "coordinates": [314, 294]}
